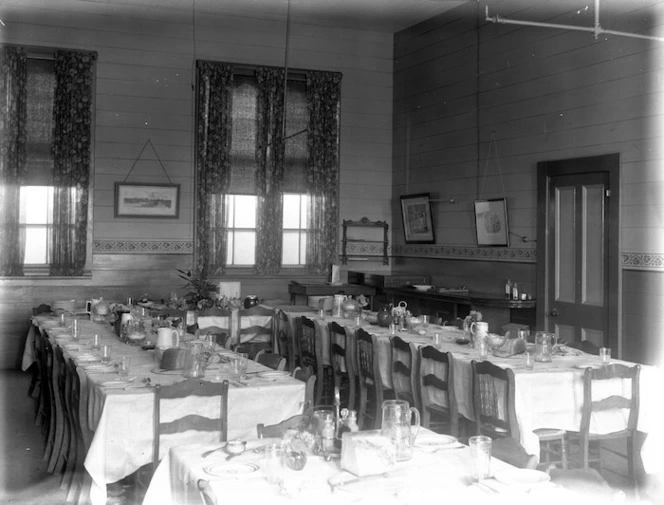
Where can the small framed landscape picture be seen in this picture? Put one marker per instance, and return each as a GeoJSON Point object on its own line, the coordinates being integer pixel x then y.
{"type": "Point", "coordinates": [491, 222]}
{"type": "Point", "coordinates": [417, 219]}
{"type": "Point", "coordinates": [147, 200]}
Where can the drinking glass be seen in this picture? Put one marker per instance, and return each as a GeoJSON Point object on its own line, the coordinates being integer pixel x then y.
{"type": "Point", "coordinates": [124, 364]}
{"type": "Point", "coordinates": [605, 355]}
{"type": "Point", "coordinates": [425, 321]}
{"type": "Point", "coordinates": [105, 353]}
{"type": "Point", "coordinates": [480, 452]}
{"type": "Point", "coordinates": [239, 365]}
{"type": "Point", "coordinates": [483, 347]}
{"type": "Point", "coordinates": [530, 360]}
{"type": "Point", "coordinates": [96, 341]}
{"type": "Point", "coordinates": [273, 464]}
{"type": "Point", "coordinates": [75, 330]}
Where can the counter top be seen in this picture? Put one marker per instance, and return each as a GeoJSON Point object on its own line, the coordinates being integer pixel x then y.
{"type": "Point", "coordinates": [475, 298]}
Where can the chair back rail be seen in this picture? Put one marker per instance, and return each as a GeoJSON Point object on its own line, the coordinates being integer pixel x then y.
{"type": "Point", "coordinates": [402, 359]}
{"type": "Point", "coordinates": [371, 385]}
{"type": "Point", "coordinates": [343, 367]}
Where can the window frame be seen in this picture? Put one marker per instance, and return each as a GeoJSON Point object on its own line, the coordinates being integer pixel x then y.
{"type": "Point", "coordinates": [42, 271]}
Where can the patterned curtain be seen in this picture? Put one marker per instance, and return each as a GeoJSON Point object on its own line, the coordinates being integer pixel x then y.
{"type": "Point", "coordinates": [72, 117]}
{"type": "Point", "coordinates": [323, 97]}
{"type": "Point", "coordinates": [269, 170]}
{"type": "Point", "coordinates": [213, 154]}
{"type": "Point", "coordinates": [13, 114]}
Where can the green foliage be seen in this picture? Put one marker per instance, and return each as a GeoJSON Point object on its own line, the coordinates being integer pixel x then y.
{"type": "Point", "coordinates": [201, 292]}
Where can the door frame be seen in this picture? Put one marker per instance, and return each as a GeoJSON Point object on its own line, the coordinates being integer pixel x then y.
{"type": "Point", "coordinates": [609, 163]}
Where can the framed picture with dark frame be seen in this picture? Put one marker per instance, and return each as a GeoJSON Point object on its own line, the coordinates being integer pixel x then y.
{"type": "Point", "coordinates": [491, 222]}
{"type": "Point", "coordinates": [147, 200]}
{"type": "Point", "coordinates": [417, 219]}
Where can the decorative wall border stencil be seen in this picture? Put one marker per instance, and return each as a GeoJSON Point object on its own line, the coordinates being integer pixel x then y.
{"type": "Point", "coordinates": [143, 246]}
{"type": "Point", "coordinates": [520, 255]}
{"type": "Point", "coordinates": [643, 261]}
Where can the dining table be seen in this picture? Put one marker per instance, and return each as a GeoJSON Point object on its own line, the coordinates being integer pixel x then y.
{"type": "Point", "coordinates": [440, 469]}
{"type": "Point", "coordinates": [550, 395]}
{"type": "Point", "coordinates": [118, 411]}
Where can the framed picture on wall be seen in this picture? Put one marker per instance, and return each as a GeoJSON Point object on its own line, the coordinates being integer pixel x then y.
{"type": "Point", "coordinates": [417, 219]}
{"type": "Point", "coordinates": [491, 222]}
{"type": "Point", "coordinates": [147, 200]}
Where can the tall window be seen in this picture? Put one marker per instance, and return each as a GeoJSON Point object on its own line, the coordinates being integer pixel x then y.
{"type": "Point", "coordinates": [45, 159]}
{"type": "Point", "coordinates": [265, 198]}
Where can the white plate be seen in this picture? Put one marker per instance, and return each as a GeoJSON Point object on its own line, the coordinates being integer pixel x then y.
{"type": "Point", "coordinates": [161, 371]}
{"type": "Point", "coordinates": [433, 442]}
{"type": "Point", "coordinates": [272, 374]}
{"type": "Point", "coordinates": [232, 470]}
{"type": "Point", "coordinates": [588, 365]}
{"type": "Point", "coordinates": [522, 477]}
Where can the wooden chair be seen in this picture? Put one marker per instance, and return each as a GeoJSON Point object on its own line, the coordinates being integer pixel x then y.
{"type": "Point", "coordinates": [207, 496]}
{"type": "Point", "coordinates": [306, 375]}
{"type": "Point", "coordinates": [402, 372]}
{"type": "Point", "coordinates": [341, 356]}
{"type": "Point", "coordinates": [512, 452]}
{"type": "Point", "coordinates": [221, 335]}
{"type": "Point", "coordinates": [594, 379]}
{"type": "Point", "coordinates": [184, 389]}
{"type": "Point", "coordinates": [49, 401]}
{"type": "Point", "coordinates": [43, 407]}
{"type": "Point", "coordinates": [299, 421]}
{"type": "Point", "coordinates": [271, 360]}
{"type": "Point", "coordinates": [284, 338]}
{"type": "Point", "coordinates": [437, 396]}
{"type": "Point", "coordinates": [586, 346]}
{"type": "Point", "coordinates": [493, 400]}
{"type": "Point", "coordinates": [371, 384]}
{"type": "Point", "coordinates": [310, 355]}
{"type": "Point", "coordinates": [58, 457]}
{"type": "Point", "coordinates": [255, 330]}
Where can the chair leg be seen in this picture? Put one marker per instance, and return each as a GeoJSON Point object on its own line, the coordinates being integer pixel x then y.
{"type": "Point", "coordinates": [362, 407]}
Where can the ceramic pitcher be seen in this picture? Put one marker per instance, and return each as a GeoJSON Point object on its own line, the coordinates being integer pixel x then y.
{"type": "Point", "coordinates": [167, 338]}
{"type": "Point", "coordinates": [397, 426]}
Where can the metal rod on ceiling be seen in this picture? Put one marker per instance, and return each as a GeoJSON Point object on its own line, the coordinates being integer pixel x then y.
{"type": "Point", "coordinates": [596, 30]}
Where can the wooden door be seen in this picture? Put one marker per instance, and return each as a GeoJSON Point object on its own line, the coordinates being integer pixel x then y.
{"type": "Point", "coordinates": [578, 249]}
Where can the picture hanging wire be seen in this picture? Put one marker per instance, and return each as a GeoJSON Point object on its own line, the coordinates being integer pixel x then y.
{"type": "Point", "coordinates": [148, 141]}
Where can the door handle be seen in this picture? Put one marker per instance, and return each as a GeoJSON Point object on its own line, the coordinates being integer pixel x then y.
{"type": "Point", "coordinates": [554, 313]}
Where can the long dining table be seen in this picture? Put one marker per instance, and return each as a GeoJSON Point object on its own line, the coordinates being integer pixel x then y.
{"type": "Point", "coordinates": [119, 411]}
{"type": "Point", "coordinates": [548, 396]}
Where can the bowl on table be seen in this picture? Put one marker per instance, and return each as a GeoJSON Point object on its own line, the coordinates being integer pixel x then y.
{"type": "Point", "coordinates": [422, 287]}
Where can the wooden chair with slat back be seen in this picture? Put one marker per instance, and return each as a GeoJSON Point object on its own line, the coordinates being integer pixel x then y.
{"type": "Point", "coordinates": [255, 330]}
{"type": "Point", "coordinates": [43, 408]}
{"type": "Point", "coordinates": [343, 369]}
{"type": "Point", "coordinates": [438, 400]}
{"type": "Point", "coordinates": [58, 460]}
{"type": "Point", "coordinates": [49, 400]}
{"type": "Point", "coordinates": [512, 452]}
{"type": "Point", "coordinates": [207, 495]}
{"type": "Point", "coordinates": [402, 369]}
{"type": "Point", "coordinates": [371, 384]}
{"type": "Point", "coordinates": [80, 448]}
{"type": "Point", "coordinates": [283, 334]}
{"type": "Point", "coordinates": [598, 379]}
{"type": "Point", "coordinates": [299, 421]}
{"type": "Point", "coordinates": [271, 360]}
{"type": "Point", "coordinates": [221, 335]}
{"type": "Point", "coordinates": [493, 400]}
{"type": "Point", "coordinates": [306, 375]}
{"type": "Point", "coordinates": [310, 354]}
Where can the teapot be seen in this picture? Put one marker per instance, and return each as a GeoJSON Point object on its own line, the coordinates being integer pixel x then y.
{"type": "Point", "coordinates": [384, 317]}
{"type": "Point", "coordinates": [396, 425]}
{"type": "Point", "coordinates": [350, 307]}
{"type": "Point", "coordinates": [250, 301]}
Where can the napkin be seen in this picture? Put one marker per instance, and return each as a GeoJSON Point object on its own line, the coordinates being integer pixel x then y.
{"type": "Point", "coordinates": [511, 347]}
{"type": "Point", "coordinates": [565, 350]}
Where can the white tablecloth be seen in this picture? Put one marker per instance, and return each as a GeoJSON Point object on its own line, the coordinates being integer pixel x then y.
{"type": "Point", "coordinates": [122, 418]}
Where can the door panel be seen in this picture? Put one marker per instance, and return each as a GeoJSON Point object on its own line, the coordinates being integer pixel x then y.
{"type": "Point", "coordinates": [579, 300]}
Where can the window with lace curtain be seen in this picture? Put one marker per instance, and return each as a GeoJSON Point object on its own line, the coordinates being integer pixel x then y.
{"type": "Point", "coordinates": [267, 169]}
{"type": "Point", "coordinates": [45, 160]}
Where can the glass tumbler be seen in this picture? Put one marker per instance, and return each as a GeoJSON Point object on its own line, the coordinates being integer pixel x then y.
{"type": "Point", "coordinates": [105, 353]}
{"type": "Point", "coordinates": [480, 451]}
{"type": "Point", "coordinates": [605, 355]}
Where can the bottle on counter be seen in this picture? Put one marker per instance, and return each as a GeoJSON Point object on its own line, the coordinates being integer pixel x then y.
{"type": "Point", "coordinates": [508, 289]}
{"type": "Point", "coordinates": [515, 291]}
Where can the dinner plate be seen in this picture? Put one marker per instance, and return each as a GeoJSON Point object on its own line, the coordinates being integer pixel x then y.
{"type": "Point", "coordinates": [581, 366]}
{"type": "Point", "coordinates": [422, 287]}
{"type": "Point", "coordinates": [522, 477]}
{"type": "Point", "coordinates": [232, 469]}
{"type": "Point", "coordinates": [272, 374]}
{"type": "Point", "coordinates": [434, 442]}
{"type": "Point", "coordinates": [162, 371]}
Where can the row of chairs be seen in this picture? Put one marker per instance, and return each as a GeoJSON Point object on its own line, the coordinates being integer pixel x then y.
{"type": "Point", "coordinates": [355, 371]}
{"type": "Point", "coordinates": [65, 430]}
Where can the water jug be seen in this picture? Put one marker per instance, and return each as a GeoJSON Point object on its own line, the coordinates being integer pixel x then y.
{"type": "Point", "coordinates": [544, 346]}
{"type": "Point", "coordinates": [397, 426]}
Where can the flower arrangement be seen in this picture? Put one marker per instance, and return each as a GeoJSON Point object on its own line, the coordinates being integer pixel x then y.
{"type": "Point", "coordinates": [201, 294]}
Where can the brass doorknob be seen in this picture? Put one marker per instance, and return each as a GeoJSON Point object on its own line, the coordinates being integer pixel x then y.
{"type": "Point", "coordinates": [554, 313]}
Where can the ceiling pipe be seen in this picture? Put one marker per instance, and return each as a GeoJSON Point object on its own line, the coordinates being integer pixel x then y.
{"type": "Point", "coordinates": [596, 30]}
